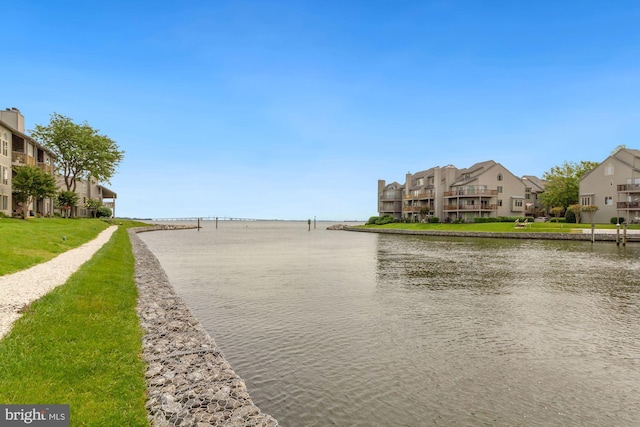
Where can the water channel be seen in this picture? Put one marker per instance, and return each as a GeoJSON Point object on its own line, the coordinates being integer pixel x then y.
{"type": "Point", "coordinates": [334, 328]}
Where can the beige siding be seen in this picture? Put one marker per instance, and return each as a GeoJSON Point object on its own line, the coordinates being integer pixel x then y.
{"type": "Point", "coordinates": [487, 189]}
{"type": "Point", "coordinates": [600, 187]}
{"type": "Point", "coordinates": [5, 171]}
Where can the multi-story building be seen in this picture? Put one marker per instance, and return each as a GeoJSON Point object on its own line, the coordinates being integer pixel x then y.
{"type": "Point", "coordinates": [16, 148]}
{"type": "Point", "coordinates": [390, 199]}
{"type": "Point", "coordinates": [614, 187]}
{"type": "Point", "coordinates": [534, 187]}
{"type": "Point", "coordinates": [486, 189]}
{"type": "Point", "coordinates": [90, 189]}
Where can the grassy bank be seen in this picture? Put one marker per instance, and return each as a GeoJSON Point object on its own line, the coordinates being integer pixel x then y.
{"type": "Point", "coordinates": [501, 227]}
{"type": "Point", "coordinates": [81, 344]}
{"type": "Point", "coordinates": [25, 243]}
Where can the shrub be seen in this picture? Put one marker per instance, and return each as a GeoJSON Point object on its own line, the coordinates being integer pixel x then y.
{"type": "Point", "coordinates": [510, 218]}
{"type": "Point", "coordinates": [434, 220]}
{"type": "Point", "coordinates": [103, 212]}
{"type": "Point", "coordinates": [386, 219]}
{"type": "Point", "coordinates": [485, 219]}
{"type": "Point", "coordinates": [372, 220]}
{"type": "Point", "coordinates": [570, 217]}
{"type": "Point", "coordinates": [617, 220]}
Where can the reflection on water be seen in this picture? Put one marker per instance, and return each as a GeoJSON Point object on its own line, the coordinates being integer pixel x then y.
{"type": "Point", "coordinates": [348, 329]}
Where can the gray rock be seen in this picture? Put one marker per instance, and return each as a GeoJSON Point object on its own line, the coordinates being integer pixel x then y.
{"type": "Point", "coordinates": [188, 380]}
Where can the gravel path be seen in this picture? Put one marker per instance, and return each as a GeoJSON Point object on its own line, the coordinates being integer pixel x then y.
{"type": "Point", "coordinates": [20, 289]}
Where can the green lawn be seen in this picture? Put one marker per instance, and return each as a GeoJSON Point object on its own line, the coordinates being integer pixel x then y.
{"type": "Point", "coordinates": [81, 343]}
{"type": "Point", "coordinates": [25, 243]}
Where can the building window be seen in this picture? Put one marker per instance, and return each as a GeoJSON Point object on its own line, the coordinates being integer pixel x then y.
{"type": "Point", "coordinates": [5, 144]}
{"type": "Point", "coordinates": [5, 203]}
{"type": "Point", "coordinates": [499, 202]}
{"type": "Point", "coordinates": [608, 200]}
{"type": "Point", "coordinates": [517, 203]}
{"type": "Point", "coordinates": [499, 188]}
{"type": "Point", "coordinates": [5, 175]}
{"type": "Point", "coordinates": [499, 177]}
{"type": "Point", "coordinates": [608, 170]}
{"type": "Point", "coordinates": [419, 181]}
{"type": "Point", "coordinates": [586, 201]}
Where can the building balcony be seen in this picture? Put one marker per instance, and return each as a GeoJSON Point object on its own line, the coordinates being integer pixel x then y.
{"type": "Point", "coordinates": [629, 188]}
{"type": "Point", "coordinates": [420, 196]}
{"type": "Point", "coordinates": [477, 208]}
{"type": "Point", "coordinates": [22, 158]}
{"type": "Point", "coordinates": [417, 209]}
{"type": "Point", "coordinates": [386, 197]}
{"type": "Point", "coordinates": [629, 205]}
{"type": "Point", "coordinates": [45, 167]}
{"type": "Point", "coordinates": [470, 193]}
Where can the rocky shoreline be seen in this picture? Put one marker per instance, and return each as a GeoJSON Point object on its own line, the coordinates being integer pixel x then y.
{"type": "Point", "coordinates": [598, 237]}
{"type": "Point", "coordinates": [189, 381]}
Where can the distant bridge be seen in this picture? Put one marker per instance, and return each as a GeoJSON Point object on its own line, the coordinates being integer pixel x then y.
{"type": "Point", "coordinates": [229, 218]}
{"type": "Point", "coordinates": [211, 218]}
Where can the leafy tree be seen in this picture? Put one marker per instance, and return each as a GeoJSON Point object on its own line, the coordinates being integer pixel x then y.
{"type": "Point", "coordinates": [575, 209]}
{"type": "Point", "coordinates": [93, 205]}
{"type": "Point", "coordinates": [82, 153]}
{"type": "Point", "coordinates": [557, 211]}
{"type": "Point", "coordinates": [563, 183]}
{"type": "Point", "coordinates": [67, 200]}
{"type": "Point", "coordinates": [590, 210]}
{"type": "Point", "coordinates": [31, 183]}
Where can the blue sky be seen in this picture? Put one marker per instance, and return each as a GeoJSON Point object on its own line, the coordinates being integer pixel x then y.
{"type": "Point", "coordinates": [294, 109]}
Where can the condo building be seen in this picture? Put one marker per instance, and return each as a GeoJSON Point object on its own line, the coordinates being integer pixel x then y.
{"type": "Point", "coordinates": [17, 148]}
{"type": "Point", "coordinates": [486, 189]}
{"type": "Point", "coordinates": [614, 187]}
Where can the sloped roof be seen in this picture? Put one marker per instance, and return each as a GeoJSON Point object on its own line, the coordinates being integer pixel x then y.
{"type": "Point", "coordinates": [473, 171]}
{"type": "Point", "coordinates": [28, 138]}
{"type": "Point", "coordinates": [536, 183]}
{"type": "Point", "coordinates": [107, 194]}
{"type": "Point", "coordinates": [635, 153]}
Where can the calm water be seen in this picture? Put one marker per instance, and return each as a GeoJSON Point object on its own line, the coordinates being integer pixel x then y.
{"type": "Point", "coordinates": [358, 329]}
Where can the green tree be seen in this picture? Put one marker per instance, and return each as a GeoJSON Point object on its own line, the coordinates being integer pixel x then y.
{"type": "Point", "coordinates": [93, 205]}
{"type": "Point", "coordinates": [563, 183]}
{"type": "Point", "coordinates": [590, 210]}
{"type": "Point", "coordinates": [557, 211]}
{"type": "Point", "coordinates": [67, 200]}
{"type": "Point", "coordinates": [31, 183]}
{"type": "Point", "coordinates": [82, 152]}
{"type": "Point", "coordinates": [576, 209]}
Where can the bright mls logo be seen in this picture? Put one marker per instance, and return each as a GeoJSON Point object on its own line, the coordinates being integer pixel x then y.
{"type": "Point", "coordinates": [36, 415]}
